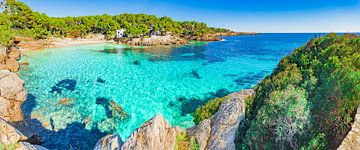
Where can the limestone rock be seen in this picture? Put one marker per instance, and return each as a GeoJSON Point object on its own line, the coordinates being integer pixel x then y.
{"type": "Point", "coordinates": [201, 133]}
{"type": "Point", "coordinates": [9, 135]}
{"type": "Point", "coordinates": [14, 54]}
{"type": "Point", "coordinates": [28, 146]}
{"type": "Point", "coordinates": [218, 132]}
{"type": "Point", "coordinates": [352, 139]}
{"type": "Point", "coordinates": [109, 142]}
{"type": "Point", "coordinates": [12, 95]}
{"type": "Point", "coordinates": [12, 65]}
{"type": "Point", "coordinates": [155, 134]}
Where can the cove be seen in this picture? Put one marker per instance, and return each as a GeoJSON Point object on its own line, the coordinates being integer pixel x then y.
{"type": "Point", "coordinates": [171, 81]}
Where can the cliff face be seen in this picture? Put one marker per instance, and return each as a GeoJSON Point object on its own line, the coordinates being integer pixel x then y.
{"type": "Point", "coordinates": [218, 132]}
{"type": "Point", "coordinates": [9, 60]}
{"type": "Point", "coordinates": [352, 139]}
{"type": "Point", "coordinates": [12, 95]}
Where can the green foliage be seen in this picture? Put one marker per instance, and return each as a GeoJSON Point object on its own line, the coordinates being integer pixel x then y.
{"type": "Point", "coordinates": [314, 90]}
{"type": "Point", "coordinates": [41, 26]}
{"type": "Point", "coordinates": [6, 34]}
{"type": "Point", "coordinates": [317, 143]}
{"type": "Point", "coordinates": [183, 142]}
{"type": "Point", "coordinates": [8, 147]}
{"type": "Point", "coordinates": [207, 110]}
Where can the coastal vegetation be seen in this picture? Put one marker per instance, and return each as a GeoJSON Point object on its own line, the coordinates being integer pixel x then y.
{"type": "Point", "coordinates": [21, 20]}
{"type": "Point", "coordinates": [208, 109]}
{"type": "Point", "coordinates": [309, 100]}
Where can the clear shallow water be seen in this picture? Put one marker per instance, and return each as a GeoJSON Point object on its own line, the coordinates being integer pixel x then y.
{"type": "Point", "coordinates": [173, 83]}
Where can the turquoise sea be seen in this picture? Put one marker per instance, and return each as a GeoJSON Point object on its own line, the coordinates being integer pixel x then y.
{"type": "Point", "coordinates": [171, 81]}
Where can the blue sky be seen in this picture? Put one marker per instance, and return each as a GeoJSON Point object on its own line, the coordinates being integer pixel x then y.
{"type": "Point", "coordinates": [238, 15]}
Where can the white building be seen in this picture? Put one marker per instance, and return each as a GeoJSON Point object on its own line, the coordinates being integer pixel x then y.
{"type": "Point", "coordinates": [120, 33]}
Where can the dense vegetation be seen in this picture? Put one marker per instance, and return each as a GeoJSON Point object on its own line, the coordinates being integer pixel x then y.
{"type": "Point", "coordinates": [23, 21]}
{"type": "Point", "coordinates": [309, 100]}
{"type": "Point", "coordinates": [208, 109]}
{"type": "Point", "coordinates": [183, 142]}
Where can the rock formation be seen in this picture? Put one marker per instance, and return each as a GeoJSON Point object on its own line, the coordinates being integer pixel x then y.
{"type": "Point", "coordinates": [12, 95]}
{"type": "Point", "coordinates": [109, 142]}
{"type": "Point", "coordinates": [156, 133]}
{"type": "Point", "coordinates": [11, 138]}
{"type": "Point", "coordinates": [352, 140]}
{"type": "Point", "coordinates": [155, 41]}
{"type": "Point", "coordinates": [9, 59]}
{"type": "Point", "coordinates": [218, 132]}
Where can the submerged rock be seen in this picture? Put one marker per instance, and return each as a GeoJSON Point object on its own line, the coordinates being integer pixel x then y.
{"type": "Point", "coordinates": [12, 95]}
{"type": "Point", "coordinates": [218, 132]}
{"type": "Point", "coordinates": [66, 84]}
{"type": "Point", "coordinates": [195, 74]}
{"type": "Point", "coordinates": [100, 80]}
{"type": "Point", "coordinates": [117, 111]}
{"type": "Point", "coordinates": [66, 101]}
{"type": "Point", "coordinates": [155, 134]}
{"type": "Point", "coordinates": [25, 63]}
{"type": "Point", "coordinates": [109, 50]}
{"type": "Point", "coordinates": [136, 62]}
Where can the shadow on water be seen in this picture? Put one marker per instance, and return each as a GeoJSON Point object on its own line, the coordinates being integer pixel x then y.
{"type": "Point", "coordinates": [66, 84]}
{"type": "Point", "coordinates": [189, 105]}
{"type": "Point", "coordinates": [29, 104]}
{"type": "Point", "coordinates": [104, 102]}
{"type": "Point", "coordinates": [250, 79]}
{"type": "Point", "coordinates": [73, 136]}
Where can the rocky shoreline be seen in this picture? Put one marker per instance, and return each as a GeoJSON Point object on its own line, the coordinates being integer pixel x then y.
{"type": "Point", "coordinates": [25, 43]}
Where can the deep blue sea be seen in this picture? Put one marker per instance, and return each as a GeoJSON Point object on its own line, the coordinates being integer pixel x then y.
{"type": "Point", "coordinates": [171, 81]}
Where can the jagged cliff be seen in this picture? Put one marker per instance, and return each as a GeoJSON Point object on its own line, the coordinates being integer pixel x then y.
{"type": "Point", "coordinates": [218, 132]}
{"type": "Point", "coordinates": [12, 95]}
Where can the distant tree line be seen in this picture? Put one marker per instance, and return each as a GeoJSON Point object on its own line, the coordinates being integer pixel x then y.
{"type": "Point", "coordinates": [18, 18]}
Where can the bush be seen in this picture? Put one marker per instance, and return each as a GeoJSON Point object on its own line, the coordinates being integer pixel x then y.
{"type": "Point", "coordinates": [313, 90]}
{"type": "Point", "coordinates": [183, 142]}
{"type": "Point", "coordinates": [207, 110]}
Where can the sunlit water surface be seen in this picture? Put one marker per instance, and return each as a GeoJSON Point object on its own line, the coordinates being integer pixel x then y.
{"type": "Point", "coordinates": [170, 81]}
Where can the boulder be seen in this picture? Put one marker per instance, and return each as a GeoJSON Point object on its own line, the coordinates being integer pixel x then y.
{"type": "Point", "coordinates": [352, 139]}
{"type": "Point", "coordinates": [28, 146]}
{"type": "Point", "coordinates": [12, 95]}
{"type": "Point", "coordinates": [12, 64]}
{"type": "Point", "coordinates": [9, 135]}
{"type": "Point", "coordinates": [14, 54]}
{"type": "Point", "coordinates": [155, 134]}
{"type": "Point", "coordinates": [66, 101]}
{"type": "Point", "coordinates": [109, 142]}
{"type": "Point", "coordinates": [218, 132]}
{"type": "Point", "coordinates": [14, 139]}
{"type": "Point", "coordinates": [201, 133]}
{"type": "Point", "coordinates": [24, 63]}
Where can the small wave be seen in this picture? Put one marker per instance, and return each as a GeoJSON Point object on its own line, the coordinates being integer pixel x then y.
{"type": "Point", "coordinates": [223, 40]}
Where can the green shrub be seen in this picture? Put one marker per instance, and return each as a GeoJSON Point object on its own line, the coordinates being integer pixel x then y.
{"type": "Point", "coordinates": [207, 110]}
{"type": "Point", "coordinates": [317, 143]}
{"type": "Point", "coordinates": [183, 142]}
{"type": "Point", "coordinates": [316, 89]}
